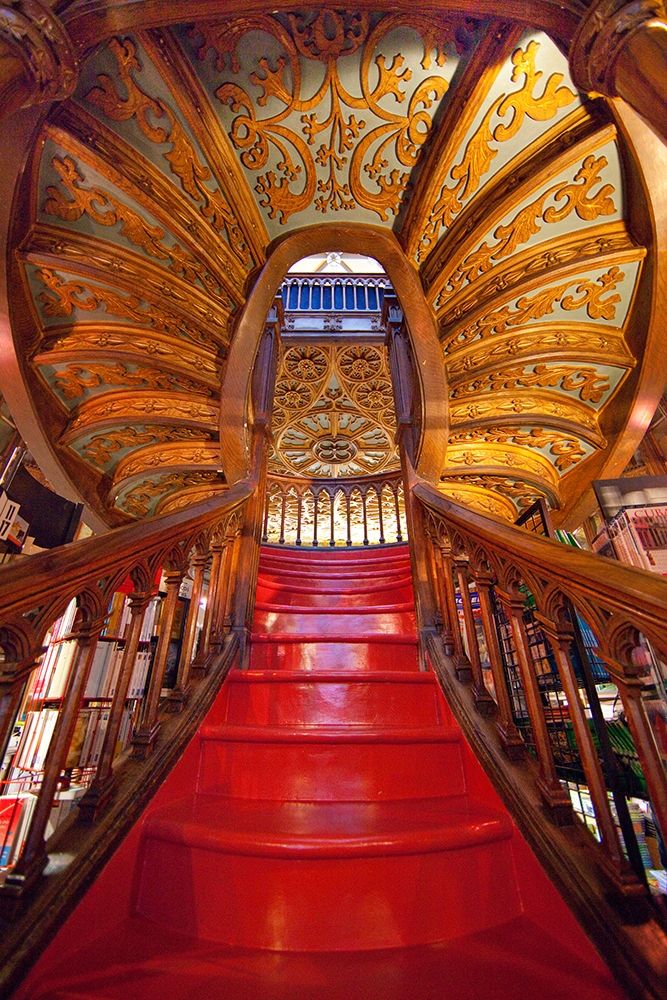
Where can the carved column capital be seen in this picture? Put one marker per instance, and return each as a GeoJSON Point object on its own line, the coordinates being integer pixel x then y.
{"type": "Point", "coordinates": [603, 32]}
{"type": "Point", "coordinates": [32, 32]}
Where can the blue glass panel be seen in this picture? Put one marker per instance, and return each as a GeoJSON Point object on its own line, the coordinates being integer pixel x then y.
{"type": "Point", "coordinates": [294, 296]}
{"type": "Point", "coordinates": [326, 297]}
{"type": "Point", "coordinates": [316, 297]}
{"type": "Point", "coordinates": [372, 298]}
{"type": "Point", "coordinates": [338, 296]}
{"type": "Point", "coordinates": [305, 297]}
{"type": "Point", "coordinates": [361, 297]}
{"type": "Point", "coordinates": [349, 297]}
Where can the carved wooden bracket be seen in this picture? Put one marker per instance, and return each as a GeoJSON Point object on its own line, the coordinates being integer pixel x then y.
{"type": "Point", "coordinates": [34, 34]}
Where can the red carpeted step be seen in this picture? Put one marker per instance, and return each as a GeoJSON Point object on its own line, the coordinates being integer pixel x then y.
{"type": "Point", "coordinates": [326, 875]}
{"type": "Point", "coordinates": [512, 962]}
{"type": "Point", "coordinates": [330, 763]}
{"type": "Point", "coordinates": [355, 698]}
{"type": "Point", "coordinates": [329, 625]}
{"type": "Point", "coordinates": [363, 653]}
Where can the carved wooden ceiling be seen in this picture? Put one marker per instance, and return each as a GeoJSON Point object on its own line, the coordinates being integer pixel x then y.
{"type": "Point", "coordinates": [154, 192]}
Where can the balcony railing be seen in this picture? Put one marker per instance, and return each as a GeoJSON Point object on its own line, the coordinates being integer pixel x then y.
{"type": "Point", "coordinates": [343, 512]}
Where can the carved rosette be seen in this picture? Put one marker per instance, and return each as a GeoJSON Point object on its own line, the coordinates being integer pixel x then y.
{"type": "Point", "coordinates": [603, 33]}
{"type": "Point", "coordinates": [32, 30]}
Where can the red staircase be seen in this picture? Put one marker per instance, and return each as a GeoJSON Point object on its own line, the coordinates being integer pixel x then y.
{"type": "Point", "coordinates": [327, 834]}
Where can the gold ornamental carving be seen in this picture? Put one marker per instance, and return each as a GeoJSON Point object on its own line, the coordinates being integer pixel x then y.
{"type": "Point", "coordinates": [562, 342]}
{"type": "Point", "coordinates": [566, 450]}
{"type": "Point", "coordinates": [334, 145]}
{"type": "Point", "coordinates": [138, 500]}
{"type": "Point", "coordinates": [160, 456]}
{"type": "Point", "coordinates": [33, 30]}
{"type": "Point", "coordinates": [586, 382]}
{"type": "Point", "coordinates": [535, 98]}
{"type": "Point", "coordinates": [135, 405]}
{"type": "Point", "coordinates": [160, 125]}
{"type": "Point", "coordinates": [537, 405]}
{"type": "Point", "coordinates": [598, 296]}
{"type": "Point", "coordinates": [101, 448]}
{"type": "Point", "coordinates": [105, 209]}
{"type": "Point", "coordinates": [586, 196]}
{"type": "Point", "coordinates": [516, 490]}
{"type": "Point", "coordinates": [74, 380]}
{"type": "Point", "coordinates": [62, 297]}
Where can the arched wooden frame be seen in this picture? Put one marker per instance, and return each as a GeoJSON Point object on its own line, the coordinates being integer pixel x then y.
{"type": "Point", "coordinates": [372, 241]}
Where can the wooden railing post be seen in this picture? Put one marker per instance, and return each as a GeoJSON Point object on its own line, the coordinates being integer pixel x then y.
{"type": "Point", "coordinates": [13, 677]}
{"type": "Point", "coordinates": [461, 661]}
{"type": "Point", "coordinates": [560, 640]}
{"type": "Point", "coordinates": [33, 857]}
{"type": "Point", "coordinates": [99, 792]}
{"type": "Point", "coordinates": [630, 686]}
{"type": "Point", "coordinates": [179, 693]}
{"type": "Point", "coordinates": [202, 659]}
{"type": "Point", "coordinates": [554, 795]}
{"type": "Point", "coordinates": [483, 701]}
{"type": "Point", "coordinates": [510, 737]}
{"type": "Point", "coordinates": [145, 733]}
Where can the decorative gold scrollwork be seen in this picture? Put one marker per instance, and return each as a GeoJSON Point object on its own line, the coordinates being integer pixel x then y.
{"type": "Point", "coordinates": [585, 381]}
{"type": "Point", "coordinates": [44, 45]}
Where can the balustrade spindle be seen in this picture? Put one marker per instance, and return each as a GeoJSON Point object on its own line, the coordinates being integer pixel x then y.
{"type": "Point", "coordinates": [99, 792]}
{"type": "Point", "coordinates": [32, 858]}
{"type": "Point", "coordinates": [316, 499]}
{"type": "Point", "coordinates": [378, 493]}
{"type": "Point", "coordinates": [15, 676]}
{"type": "Point", "coordinates": [397, 508]}
{"type": "Point", "coordinates": [630, 687]}
{"type": "Point", "coordinates": [228, 608]}
{"type": "Point", "coordinates": [483, 700]}
{"type": "Point", "coordinates": [180, 691]}
{"type": "Point", "coordinates": [265, 529]}
{"type": "Point", "coordinates": [145, 733]}
{"type": "Point", "coordinates": [199, 664]}
{"type": "Point", "coordinates": [554, 795]}
{"type": "Point", "coordinates": [560, 641]}
{"type": "Point", "coordinates": [461, 661]}
{"type": "Point", "coordinates": [510, 737]}
{"type": "Point", "coordinates": [299, 515]}
{"type": "Point", "coordinates": [332, 520]}
{"type": "Point", "coordinates": [348, 519]}
{"type": "Point", "coordinates": [283, 504]}
{"type": "Point", "coordinates": [364, 511]}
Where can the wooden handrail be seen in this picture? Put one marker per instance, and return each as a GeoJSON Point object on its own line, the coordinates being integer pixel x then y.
{"type": "Point", "coordinates": [536, 713]}
{"type": "Point", "coordinates": [34, 594]}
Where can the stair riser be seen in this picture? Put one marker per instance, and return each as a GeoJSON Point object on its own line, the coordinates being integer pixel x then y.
{"type": "Point", "coordinates": [313, 703]}
{"type": "Point", "coordinates": [315, 656]}
{"type": "Point", "coordinates": [319, 772]}
{"type": "Point", "coordinates": [276, 594]}
{"type": "Point", "coordinates": [327, 904]}
{"type": "Point", "coordinates": [334, 625]}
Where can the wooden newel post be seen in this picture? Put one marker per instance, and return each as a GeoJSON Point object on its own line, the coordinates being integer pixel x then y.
{"type": "Point", "coordinates": [620, 50]}
{"type": "Point", "coordinates": [461, 662]}
{"type": "Point", "coordinates": [33, 857]}
{"type": "Point", "coordinates": [37, 59]}
{"type": "Point", "coordinates": [179, 693]}
{"type": "Point", "coordinates": [510, 737]}
{"type": "Point", "coordinates": [484, 703]}
{"type": "Point", "coordinates": [553, 794]}
{"type": "Point", "coordinates": [145, 733]}
{"type": "Point", "coordinates": [100, 791]}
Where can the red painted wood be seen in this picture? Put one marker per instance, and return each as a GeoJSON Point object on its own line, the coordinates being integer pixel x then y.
{"type": "Point", "coordinates": [328, 806]}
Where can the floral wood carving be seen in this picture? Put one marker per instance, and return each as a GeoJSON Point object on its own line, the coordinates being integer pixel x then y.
{"type": "Point", "coordinates": [102, 447]}
{"type": "Point", "coordinates": [160, 125]}
{"type": "Point", "coordinates": [566, 450]}
{"type": "Point", "coordinates": [509, 111]}
{"type": "Point", "coordinates": [586, 382]}
{"type": "Point", "coordinates": [586, 196]}
{"type": "Point", "coordinates": [333, 144]}
{"type": "Point", "coordinates": [74, 380]}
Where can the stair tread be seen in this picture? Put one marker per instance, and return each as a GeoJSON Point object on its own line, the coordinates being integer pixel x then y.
{"type": "Point", "coordinates": [310, 609]}
{"type": "Point", "coordinates": [333, 676]}
{"type": "Point", "coordinates": [330, 734]}
{"type": "Point", "coordinates": [326, 829]}
{"type": "Point", "coordinates": [517, 959]}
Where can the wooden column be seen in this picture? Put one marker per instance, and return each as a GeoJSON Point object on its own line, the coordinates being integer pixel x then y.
{"type": "Point", "coordinates": [179, 694]}
{"type": "Point", "coordinates": [484, 703]}
{"type": "Point", "coordinates": [620, 50]}
{"type": "Point", "coordinates": [145, 733]}
{"type": "Point", "coordinates": [99, 793]}
{"type": "Point", "coordinates": [554, 795]}
{"type": "Point", "coordinates": [33, 857]}
{"type": "Point", "coordinates": [510, 737]}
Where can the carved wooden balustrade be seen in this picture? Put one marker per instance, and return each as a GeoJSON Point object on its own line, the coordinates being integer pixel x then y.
{"type": "Point", "coordinates": [523, 686]}
{"type": "Point", "coordinates": [366, 510]}
{"type": "Point", "coordinates": [201, 542]}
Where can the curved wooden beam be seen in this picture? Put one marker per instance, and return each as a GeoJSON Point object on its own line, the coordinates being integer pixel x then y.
{"type": "Point", "coordinates": [373, 241]}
